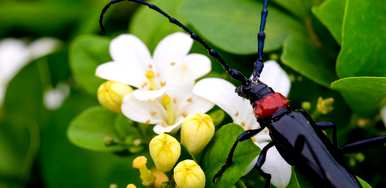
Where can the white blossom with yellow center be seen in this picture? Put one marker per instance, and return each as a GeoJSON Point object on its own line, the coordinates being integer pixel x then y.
{"type": "Point", "coordinates": [222, 93]}
{"type": "Point", "coordinates": [163, 83]}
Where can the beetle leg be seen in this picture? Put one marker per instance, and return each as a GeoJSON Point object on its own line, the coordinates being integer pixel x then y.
{"type": "Point", "coordinates": [329, 125]}
{"type": "Point", "coordinates": [363, 144]}
{"type": "Point", "coordinates": [242, 137]}
{"type": "Point", "coordinates": [260, 162]}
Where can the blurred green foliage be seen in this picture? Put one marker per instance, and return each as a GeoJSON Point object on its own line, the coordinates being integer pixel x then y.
{"type": "Point", "coordinates": [331, 48]}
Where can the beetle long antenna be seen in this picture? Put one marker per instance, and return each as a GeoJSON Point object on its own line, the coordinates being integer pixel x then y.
{"type": "Point", "coordinates": [212, 52]}
{"type": "Point", "coordinates": [260, 42]}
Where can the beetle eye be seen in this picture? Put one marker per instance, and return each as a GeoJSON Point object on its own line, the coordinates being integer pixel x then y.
{"type": "Point", "coordinates": [242, 91]}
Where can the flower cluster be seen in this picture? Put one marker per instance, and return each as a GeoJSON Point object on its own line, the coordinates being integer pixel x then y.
{"type": "Point", "coordinates": [163, 82]}
{"type": "Point", "coordinates": [165, 151]}
{"type": "Point", "coordinates": [161, 90]}
{"type": "Point", "coordinates": [158, 90]}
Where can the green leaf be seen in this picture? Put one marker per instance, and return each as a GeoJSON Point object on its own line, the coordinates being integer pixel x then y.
{"type": "Point", "coordinates": [363, 39]}
{"type": "Point", "coordinates": [58, 19]}
{"type": "Point", "coordinates": [19, 130]}
{"type": "Point", "coordinates": [330, 13]}
{"type": "Point", "coordinates": [217, 152]}
{"type": "Point", "coordinates": [217, 116]}
{"type": "Point", "coordinates": [298, 181]}
{"type": "Point", "coordinates": [232, 25]}
{"type": "Point", "coordinates": [64, 165]}
{"type": "Point", "coordinates": [19, 143]}
{"type": "Point", "coordinates": [150, 26]}
{"type": "Point", "coordinates": [294, 183]}
{"type": "Point", "coordinates": [90, 129]}
{"type": "Point", "coordinates": [307, 59]}
{"type": "Point", "coordinates": [86, 53]}
{"type": "Point", "coordinates": [363, 94]}
{"type": "Point", "coordinates": [363, 183]}
{"type": "Point", "coordinates": [26, 89]}
{"type": "Point", "coordinates": [300, 8]}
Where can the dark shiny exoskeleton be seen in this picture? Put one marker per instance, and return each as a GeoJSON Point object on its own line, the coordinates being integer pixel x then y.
{"type": "Point", "coordinates": [299, 139]}
{"type": "Point", "coordinates": [318, 159]}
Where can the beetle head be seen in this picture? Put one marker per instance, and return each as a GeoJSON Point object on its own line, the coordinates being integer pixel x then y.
{"type": "Point", "coordinates": [253, 90]}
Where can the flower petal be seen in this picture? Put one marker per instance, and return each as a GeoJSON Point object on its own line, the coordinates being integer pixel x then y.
{"type": "Point", "coordinates": [189, 69]}
{"type": "Point", "coordinates": [128, 73]}
{"type": "Point", "coordinates": [43, 46]}
{"type": "Point", "coordinates": [162, 128]}
{"type": "Point", "coordinates": [198, 64]}
{"type": "Point", "coordinates": [194, 105]}
{"type": "Point", "coordinates": [279, 169]}
{"type": "Point", "coordinates": [222, 93]}
{"type": "Point", "coordinates": [180, 92]}
{"type": "Point", "coordinates": [142, 111]}
{"type": "Point", "coordinates": [275, 77]}
{"type": "Point", "coordinates": [14, 55]}
{"type": "Point", "coordinates": [127, 48]}
{"type": "Point", "coordinates": [186, 102]}
{"type": "Point", "coordinates": [172, 49]}
{"type": "Point", "coordinates": [262, 138]}
{"type": "Point", "coordinates": [55, 97]}
{"type": "Point", "coordinates": [148, 95]}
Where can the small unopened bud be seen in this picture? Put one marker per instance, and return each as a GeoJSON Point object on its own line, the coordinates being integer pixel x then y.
{"type": "Point", "coordinates": [131, 186]}
{"type": "Point", "coordinates": [325, 106]}
{"type": "Point", "coordinates": [111, 93]}
{"type": "Point", "coordinates": [188, 174]}
{"type": "Point", "coordinates": [113, 185]}
{"type": "Point", "coordinates": [165, 151]}
{"type": "Point", "coordinates": [160, 178]}
{"type": "Point", "coordinates": [362, 122]}
{"type": "Point", "coordinates": [196, 132]}
{"type": "Point", "coordinates": [306, 105]}
{"type": "Point", "coordinates": [145, 174]}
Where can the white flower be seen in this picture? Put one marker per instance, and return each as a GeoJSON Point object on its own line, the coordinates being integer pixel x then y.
{"type": "Point", "coordinates": [163, 83]}
{"type": "Point", "coordinates": [170, 66]}
{"type": "Point", "coordinates": [167, 112]}
{"type": "Point", "coordinates": [15, 54]}
{"type": "Point", "coordinates": [54, 98]}
{"type": "Point", "coordinates": [222, 93]}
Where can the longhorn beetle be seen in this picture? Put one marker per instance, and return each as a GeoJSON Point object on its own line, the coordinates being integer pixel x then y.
{"type": "Point", "coordinates": [299, 140]}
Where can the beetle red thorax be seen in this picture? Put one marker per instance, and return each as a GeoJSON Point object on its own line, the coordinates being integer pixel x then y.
{"type": "Point", "coordinates": [269, 104]}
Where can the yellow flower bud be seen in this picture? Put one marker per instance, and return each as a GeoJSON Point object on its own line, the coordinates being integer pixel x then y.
{"type": "Point", "coordinates": [111, 93]}
{"type": "Point", "coordinates": [165, 151]}
{"type": "Point", "coordinates": [160, 178]}
{"type": "Point", "coordinates": [131, 186]}
{"type": "Point", "coordinates": [188, 174]}
{"type": "Point", "coordinates": [325, 106]}
{"type": "Point", "coordinates": [306, 105]}
{"type": "Point", "coordinates": [145, 174]}
{"type": "Point", "coordinates": [196, 132]}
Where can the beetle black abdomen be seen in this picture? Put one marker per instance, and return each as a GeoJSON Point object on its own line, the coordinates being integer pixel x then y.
{"type": "Point", "coordinates": [303, 145]}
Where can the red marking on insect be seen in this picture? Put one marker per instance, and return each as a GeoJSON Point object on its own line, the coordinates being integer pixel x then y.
{"type": "Point", "coordinates": [268, 105]}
